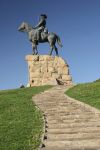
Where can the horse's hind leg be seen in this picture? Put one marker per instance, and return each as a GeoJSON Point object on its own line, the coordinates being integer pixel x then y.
{"type": "Point", "coordinates": [51, 46]}
{"type": "Point", "coordinates": [56, 50]}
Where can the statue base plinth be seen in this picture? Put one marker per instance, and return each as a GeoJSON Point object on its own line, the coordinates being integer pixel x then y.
{"type": "Point", "coordinates": [47, 70]}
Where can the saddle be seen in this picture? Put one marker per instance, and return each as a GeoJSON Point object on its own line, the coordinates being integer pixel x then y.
{"type": "Point", "coordinates": [39, 35]}
{"type": "Point", "coordinates": [44, 36]}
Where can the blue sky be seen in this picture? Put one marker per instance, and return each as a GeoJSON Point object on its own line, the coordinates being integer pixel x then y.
{"type": "Point", "coordinates": [77, 22]}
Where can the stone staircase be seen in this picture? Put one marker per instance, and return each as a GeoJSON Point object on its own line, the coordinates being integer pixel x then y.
{"type": "Point", "coordinates": [68, 124]}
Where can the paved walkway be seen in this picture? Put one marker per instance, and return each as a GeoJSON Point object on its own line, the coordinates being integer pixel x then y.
{"type": "Point", "coordinates": [69, 124]}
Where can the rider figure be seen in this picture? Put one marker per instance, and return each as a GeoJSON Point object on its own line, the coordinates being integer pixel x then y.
{"type": "Point", "coordinates": [41, 27]}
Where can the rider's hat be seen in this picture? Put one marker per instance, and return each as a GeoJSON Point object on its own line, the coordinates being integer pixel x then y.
{"type": "Point", "coordinates": [44, 15]}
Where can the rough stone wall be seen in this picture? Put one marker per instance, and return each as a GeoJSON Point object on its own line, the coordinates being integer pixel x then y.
{"type": "Point", "coordinates": [47, 70]}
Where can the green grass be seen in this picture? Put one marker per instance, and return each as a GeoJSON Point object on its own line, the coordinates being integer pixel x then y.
{"type": "Point", "coordinates": [88, 93]}
{"type": "Point", "coordinates": [20, 122]}
{"type": "Point", "coordinates": [98, 80]}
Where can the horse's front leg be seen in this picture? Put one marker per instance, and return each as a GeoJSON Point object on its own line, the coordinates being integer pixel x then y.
{"type": "Point", "coordinates": [33, 48]}
{"type": "Point", "coordinates": [36, 50]}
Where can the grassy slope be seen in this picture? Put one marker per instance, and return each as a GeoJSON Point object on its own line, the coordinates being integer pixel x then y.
{"type": "Point", "coordinates": [88, 93]}
{"type": "Point", "coordinates": [20, 122]}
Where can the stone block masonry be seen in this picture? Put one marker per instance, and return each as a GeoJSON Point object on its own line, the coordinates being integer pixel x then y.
{"type": "Point", "coordinates": [47, 70]}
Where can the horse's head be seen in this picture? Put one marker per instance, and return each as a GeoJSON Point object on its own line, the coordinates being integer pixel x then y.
{"type": "Point", "coordinates": [22, 27]}
{"type": "Point", "coordinates": [25, 27]}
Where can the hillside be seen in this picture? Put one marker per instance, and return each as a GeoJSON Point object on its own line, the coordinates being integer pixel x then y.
{"type": "Point", "coordinates": [88, 93]}
{"type": "Point", "coordinates": [20, 122]}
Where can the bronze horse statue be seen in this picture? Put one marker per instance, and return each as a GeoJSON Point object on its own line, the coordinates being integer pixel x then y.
{"type": "Point", "coordinates": [51, 38]}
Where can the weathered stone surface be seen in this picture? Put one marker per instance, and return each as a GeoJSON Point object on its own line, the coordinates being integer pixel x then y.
{"type": "Point", "coordinates": [67, 78]}
{"type": "Point", "coordinates": [47, 70]}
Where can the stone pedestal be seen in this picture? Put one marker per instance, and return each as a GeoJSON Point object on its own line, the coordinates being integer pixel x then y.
{"type": "Point", "coordinates": [47, 70]}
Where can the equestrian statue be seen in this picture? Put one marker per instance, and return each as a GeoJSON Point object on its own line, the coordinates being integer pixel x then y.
{"type": "Point", "coordinates": [40, 34]}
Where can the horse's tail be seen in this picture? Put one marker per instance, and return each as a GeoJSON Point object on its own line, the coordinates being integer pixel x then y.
{"type": "Point", "coordinates": [59, 41]}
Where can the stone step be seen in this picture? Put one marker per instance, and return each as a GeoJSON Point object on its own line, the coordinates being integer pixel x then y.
{"type": "Point", "coordinates": [71, 113]}
{"type": "Point", "coordinates": [71, 137]}
{"type": "Point", "coordinates": [71, 121]}
{"type": "Point", "coordinates": [57, 109]}
{"type": "Point", "coordinates": [71, 117]}
{"type": "Point", "coordinates": [75, 130]}
{"type": "Point", "coordinates": [62, 125]}
{"type": "Point", "coordinates": [47, 104]}
{"type": "Point", "coordinates": [66, 112]}
{"type": "Point", "coordinates": [61, 104]}
{"type": "Point", "coordinates": [84, 144]}
{"type": "Point", "coordinates": [54, 110]}
{"type": "Point", "coordinates": [64, 107]}
{"type": "Point", "coordinates": [69, 124]}
{"type": "Point", "coordinates": [64, 104]}
{"type": "Point", "coordinates": [56, 148]}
